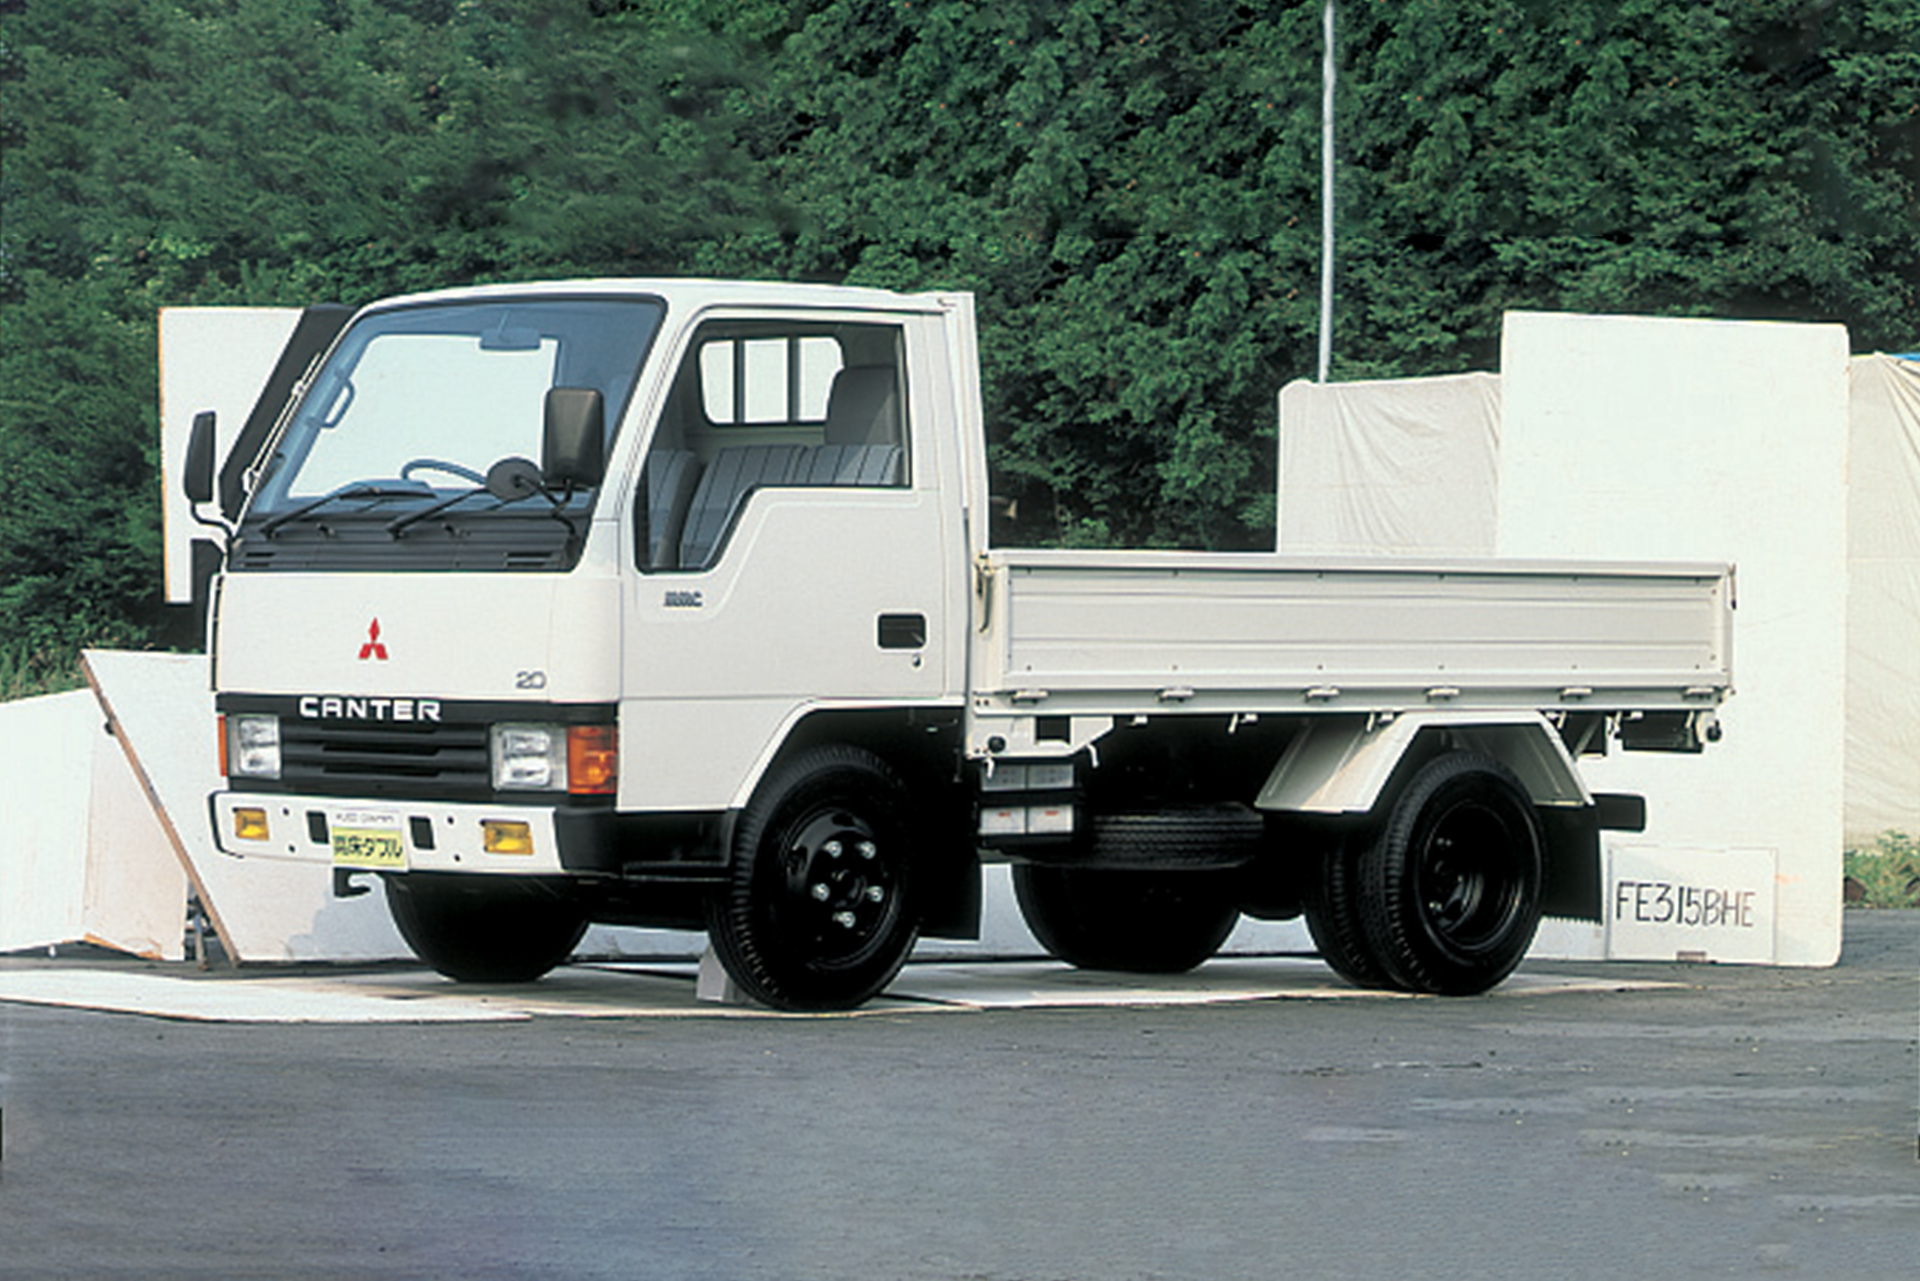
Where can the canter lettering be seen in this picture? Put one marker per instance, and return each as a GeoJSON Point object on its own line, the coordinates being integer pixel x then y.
{"type": "Point", "coordinates": [341, 707]}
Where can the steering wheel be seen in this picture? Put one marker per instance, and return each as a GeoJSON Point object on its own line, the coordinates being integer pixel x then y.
{"type": "Point", "coordinates": [435, 464]}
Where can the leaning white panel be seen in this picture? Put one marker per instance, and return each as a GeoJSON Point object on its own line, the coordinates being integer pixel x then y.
{"type": "Point", "coordinates": [136, 890]}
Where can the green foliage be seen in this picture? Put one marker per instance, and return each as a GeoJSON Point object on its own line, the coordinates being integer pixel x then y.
{"type": "Point", "coordinates": [27, 673]}
{"type": "Point", "coordinates": [1887, 873]}
{"type": "Point", "coordinates": [1131, 186]}
{"type": "Point", "coordinates": [1752, 159]}
{"type": "Point", "coordinates": [1124, 186]}
{"type": "Point", "coordinates": [80, 551]}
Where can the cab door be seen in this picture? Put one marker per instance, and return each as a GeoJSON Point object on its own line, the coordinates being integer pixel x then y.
{"type": "Point", "coordinates": [791, 550]}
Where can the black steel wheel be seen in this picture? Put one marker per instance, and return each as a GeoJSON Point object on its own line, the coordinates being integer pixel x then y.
{"type": "Point", "coordinates": [1450, 886]}
{"type": "Point", "coordinates": [817, 911]}
{"type": "Point", "coordinates": [485, 929]}
{"type": "Point", "coordinates": [1136, 921]}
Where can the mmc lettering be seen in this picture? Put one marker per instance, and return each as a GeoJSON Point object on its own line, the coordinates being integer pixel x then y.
{"type": "Point", "coordinates": [332, 707]}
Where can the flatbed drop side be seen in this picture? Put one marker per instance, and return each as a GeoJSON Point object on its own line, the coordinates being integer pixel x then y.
{"type": "Point", "coordinates": [734, 653]}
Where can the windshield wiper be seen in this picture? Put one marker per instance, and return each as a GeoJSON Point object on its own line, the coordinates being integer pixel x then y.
{"type": "Point", "coordinates": [358, 489]}
{"type": "Point", "coordinates": [399, 523]}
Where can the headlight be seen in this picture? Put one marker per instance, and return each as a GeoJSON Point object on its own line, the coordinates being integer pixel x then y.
{"type": "Point", "coordinates": [531, 758]}
{"type": "Point", "coordinates": [253, 746]}
{"type": "Point", "coordinates": [582, 759]}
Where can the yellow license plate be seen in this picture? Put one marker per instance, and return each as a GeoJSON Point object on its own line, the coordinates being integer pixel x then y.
{"type": "Point", "coordinates": [368, 847]}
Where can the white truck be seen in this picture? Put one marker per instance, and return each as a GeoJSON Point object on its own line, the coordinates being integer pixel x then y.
{"type": "Point", "coordinates": [672, 602]}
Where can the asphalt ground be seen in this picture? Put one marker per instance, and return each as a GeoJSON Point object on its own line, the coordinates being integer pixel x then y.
{"type": "Point", "coordinates": [1728, 1121]}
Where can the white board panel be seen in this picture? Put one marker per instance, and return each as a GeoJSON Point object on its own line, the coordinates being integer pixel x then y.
{"type": "Point", "coordinates": [216, 358]}
{"type": "Point", "coordinates": [1649, 439]}
{"type": "Point", "coordinates": [46, 773]}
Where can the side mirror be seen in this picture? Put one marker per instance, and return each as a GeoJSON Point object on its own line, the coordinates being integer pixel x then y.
{"type": "Point", "coordinates": [197, 478]}
{"type": "Point", "coordinates": [574, 451]}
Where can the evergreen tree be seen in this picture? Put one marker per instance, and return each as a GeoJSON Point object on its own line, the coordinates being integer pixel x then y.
{"type": "Point", "coordinates": [1131, 186]}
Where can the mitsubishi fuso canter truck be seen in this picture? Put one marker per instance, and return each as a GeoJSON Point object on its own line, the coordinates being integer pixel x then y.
{"type": "Point", "coordinates": [672, 602]}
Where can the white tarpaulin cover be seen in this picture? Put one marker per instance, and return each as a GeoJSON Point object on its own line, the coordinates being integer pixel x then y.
{"type": "Point", "coordinates": [1883, 600]}
{"type": "Point", "coordinates": [1405, 465]}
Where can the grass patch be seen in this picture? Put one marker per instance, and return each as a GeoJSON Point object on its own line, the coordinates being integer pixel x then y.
{"type": "Point", "coordinates": [1884, 874]}
{"type": "Point", "coordinates": [26, 672]}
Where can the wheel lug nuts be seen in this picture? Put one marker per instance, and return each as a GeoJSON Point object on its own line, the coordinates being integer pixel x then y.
{"type": "Point", "coordinates": [833, 849]}
{"type": "Point", "coordinates": [845, 920]}
{"type": "Point", "coordinates": [820, 891]}
{"type": "Point", "coordinates": [867, 849]}
{"type": "Point", "coordinates": [875, 894]}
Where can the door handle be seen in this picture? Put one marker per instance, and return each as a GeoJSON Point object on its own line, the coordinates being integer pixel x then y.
{"type": "Point", "coordinates": [903, 631]}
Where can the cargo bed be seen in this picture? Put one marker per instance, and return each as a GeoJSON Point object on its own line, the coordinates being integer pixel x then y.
{"type": "Point", "coordinates": [1098, 632]}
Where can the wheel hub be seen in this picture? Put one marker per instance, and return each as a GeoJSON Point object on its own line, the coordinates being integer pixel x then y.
{"type": "Point", "coordinates": [839, 884]}
{"type": "Point", "coordinates": [1466, 888]}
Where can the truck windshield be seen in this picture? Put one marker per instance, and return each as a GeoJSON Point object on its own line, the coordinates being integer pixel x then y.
{"type": "Point", "coordinates": [416, 403]}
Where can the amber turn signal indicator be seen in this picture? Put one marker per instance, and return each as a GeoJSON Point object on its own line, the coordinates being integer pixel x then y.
{"type": "Point", "coordinates": [593, 760]}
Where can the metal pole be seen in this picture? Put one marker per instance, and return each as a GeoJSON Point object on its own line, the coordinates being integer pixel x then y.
{"type": "Point", "coordinates": [1326, 199]}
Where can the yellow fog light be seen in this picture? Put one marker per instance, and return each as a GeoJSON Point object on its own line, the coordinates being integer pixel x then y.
{"type": "Point", "coordinates": [507, 838]}
{"type": "Point", "coordinates": [250, 824]}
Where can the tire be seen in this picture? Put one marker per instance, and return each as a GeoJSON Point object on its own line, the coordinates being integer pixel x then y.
{"type": "Point", "coordinates": [1332, 910]}
{"type": "Point", "coordinates": [484, 929]}
{"type": "Point", "coordinates": [1178, 838]}
{"type": "Point", "coordinates": [817, 912]}
{"type": "Point", "coordinates": [1450, 885]}
{"type": "Point", "coordinates": [1138, 922]}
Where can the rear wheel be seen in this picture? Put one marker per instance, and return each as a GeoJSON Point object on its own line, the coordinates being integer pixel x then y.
{"type": "Point", "coordinates": [1144, 922]}
{"type": "Point", "coordinates": [1331, 906]}
{"type": "Point", "coordinates": [1450, 885]}
{"type": "Point", "coordinates": [484, 929]}
{"type": "Point", "coordinates": [817, 911]}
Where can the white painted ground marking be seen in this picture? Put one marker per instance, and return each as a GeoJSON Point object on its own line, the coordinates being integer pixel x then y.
{"type": "Point", "coordinates": [640, 990]}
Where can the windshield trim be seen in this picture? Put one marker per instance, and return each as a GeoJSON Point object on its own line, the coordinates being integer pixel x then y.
{"type": "Point", "coordinates": [272, 512]}
{"type": "Point", "coordinates": [263, 468]}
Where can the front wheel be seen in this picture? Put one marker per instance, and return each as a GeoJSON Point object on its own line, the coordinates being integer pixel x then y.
{"type": "Point", "coordinates": [1142, 922]}
{"type": "Point", "coordinates": [484, 929]}
{"type": "Point", "coordinates": [817, 911]}
{"type": "Point", "coordinates": [1450, 885]}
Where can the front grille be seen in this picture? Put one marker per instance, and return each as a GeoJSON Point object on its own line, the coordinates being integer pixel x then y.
{"type": "Point", "coordinates": [333, 758]}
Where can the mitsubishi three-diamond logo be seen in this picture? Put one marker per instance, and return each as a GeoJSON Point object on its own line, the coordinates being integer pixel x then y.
{"type": "Point", "coordinates": [373, 648]}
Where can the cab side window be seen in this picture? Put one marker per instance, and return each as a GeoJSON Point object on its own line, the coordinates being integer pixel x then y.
{"type": "Point", "coordinates": [761, 404]}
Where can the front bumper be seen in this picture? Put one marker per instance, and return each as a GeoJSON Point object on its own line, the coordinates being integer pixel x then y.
{"type": "Point", "coordinates": [389, 834]}
{"type": "Point", "coordinates": [399, 834]}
